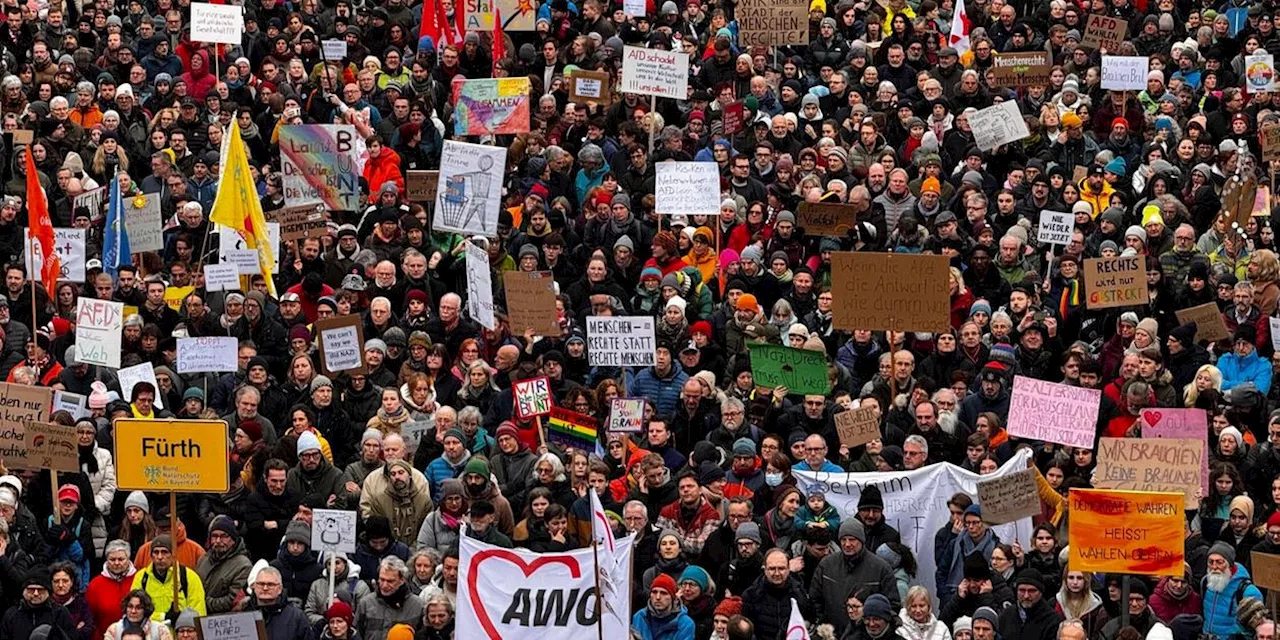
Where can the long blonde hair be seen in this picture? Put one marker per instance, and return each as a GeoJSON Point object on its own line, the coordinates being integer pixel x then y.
{"type": "Point", "coordinates": [1190, 393]}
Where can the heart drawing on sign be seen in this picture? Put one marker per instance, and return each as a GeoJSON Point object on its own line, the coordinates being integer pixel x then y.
{"type": "Point", "coordinates": [1152, 417]}
{"type": "Point", "coordinates": [528, 568]}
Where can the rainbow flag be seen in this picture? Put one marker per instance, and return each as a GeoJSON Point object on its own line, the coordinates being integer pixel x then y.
{"type": "Point", "coordinates": [571, 429]}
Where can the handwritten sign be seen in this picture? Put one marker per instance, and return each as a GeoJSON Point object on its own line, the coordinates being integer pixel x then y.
{"type": "Point", "coordinates": [130, 377]}
{"type": "Point", "coordinates": [46, 446]}
{"type": "Point", "coordinates": [589, 86]}
{"type": "Point", "coordinates": [690, 188]}
{"type": "Point", "coordinates": [207, 354]}
{"type": "Point", "coordinates": [825, 219]}
{"type": "Point", "coordinates": [653, 72]}
{"type": "Point", "coordinates": [1055, 227]}
{"type": "Point", "coordinates": [626, 341]}
{"type": "Point", "coordinates": [998, 125]}
{"type": "Point", "coordinates": [634, 8]}
{"type": "Point", "coordinates": [304, 221]}
{"type": "Point", "coordinates": [531, 302]}
{"type": "Point", "coordinates": [1009, 498]}
{"type": "Point", "coordinates": [223, 276]}
{"type": "Point", "coordinates": [1210, 326]}
{"type": "Point", "coordinates": [1104, 32]}
{"type": "Point", "coordinates": [98, 331]}
{"type": "Point", "coordinates": [1265, 571]}
{"type": "Point", "coordinates": [1260, 72]}
{"type": "Point", "coordinates": [341, 344]}
{"type": "Point", "coordinates": [333, 531]}
{"type": "Point", "coordinates": [233, 626]}
{"type": "Point", "coordinates": [533, 397]}
{"type": "Point", "coordinates": [1115, 282]}
{"type": "Point", "coordinates": [1113, 531]}
{"type": "Point", "coordinates": [764, 23]}
{"type": "Point", "coordinates": [219, 23]}
{"type": "Point", "coordinates": [333, 49]}
{"type": "Point", "coordinates": [421, 186]}
{"type": "Point", "coordinates": [799, 370]}
{"type": "Point", "coordinates": [143, 223]}
{"type": "Point", "coordinates": [68, 244]}
{"type": "Point", "coordinates": [1180, 423]}
{"type": "Point", "coordinates": [858, 426]}
{"type": "Point", "coordinates": [734, 117]}
{"type": "Point", "coordinates": [1124, 73]}
{"type": "Point", "coordinates": [20, 405]}
{"type": "Point", "coordinates": [626, 415]}
{"type": "Point", "coordinates": [1150, 464]}
{"type": "Point", "coordinates": [1271, 143]}
{"type": "Point", "coordinates": [1022, 69]}
{"type": "Point", "coordinates": [490, 106]}
{"type": "Point", "coordinates": [322, 163]}
{"type": "Point", "coordinates": [891, 292]}
{"type": "Point", "coordinates": [1052, 412]}
{"type": "Point", "coordinates": [479, 287]}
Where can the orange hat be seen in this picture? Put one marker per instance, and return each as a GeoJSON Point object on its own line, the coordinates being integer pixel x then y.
{"type": "Point", "coordinates": [1070, 119]}
{"type": "Point", "coordinates": [400, 632]}
{"type": "Point", "coordinates": [747, 302]}
{"type": "Point", "coordinates": [931, 185]}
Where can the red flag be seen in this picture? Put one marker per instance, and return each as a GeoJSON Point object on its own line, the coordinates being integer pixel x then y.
{"type": "Point", "coordinates": [499, 42]}
{"type": "Point", "coordinates": [41, 228]}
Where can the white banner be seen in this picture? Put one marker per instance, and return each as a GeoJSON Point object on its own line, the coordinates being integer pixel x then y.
{"type": "Point", "coordinates": [470, 191]}
{"type": "Point", "coordinates": [207, 354]}
{"type": "Point", "coordinates": [691, 188]}
{"type": "Point", "coordinates": [69, 245]}
{"type": "Point", "coordinates": [997, 125]}
{"type": "Point", "coordinates": [915, 503]}
{"type": "Point", "coordinates": [506, 594]}
{"type": "Point", "coordinates": [479, 287]}
{"type": "Point", "coordinates": [98, 331]}
{"type": "Point", "coordinates": [626, 341]}
{"type": "Point", "coordinates": [221, 23]}
{"type": "Point", "coordinates": [653, 72]}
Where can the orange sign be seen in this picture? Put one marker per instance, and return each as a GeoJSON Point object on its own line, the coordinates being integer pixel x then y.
{"type": "Point", "coordinates": [1136, 532]}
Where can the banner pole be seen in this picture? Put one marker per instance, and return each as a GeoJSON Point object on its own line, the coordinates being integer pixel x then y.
{"type": "Point", "coordinates": [333, 593]}
{"type": "Point", "coordinates": [595, 555]}
{"type": "Point", "coordinates": [53, 489]}
{"type": "Point", "coordinates": [653, 109]}
{"type": "Point", "coordinates": [1124, 601]}
{"type": "Point", "coordinates": [173, 535]}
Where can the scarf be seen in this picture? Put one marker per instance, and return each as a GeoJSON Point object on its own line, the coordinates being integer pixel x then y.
{"type": "Point", "coordinates": [1070, 297]}
{"type": "Point", "coordinates": [88, 461]}
{"type": "Point", "coordinates": [621, 227]}
{"type": "Point", "coordinates": [142, 416]}
{"type": "Point", "coordinates": [397, 598]}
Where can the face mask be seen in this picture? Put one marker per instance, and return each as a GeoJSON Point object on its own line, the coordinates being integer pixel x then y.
{"type": "Point", "coordinates": [773, 479]}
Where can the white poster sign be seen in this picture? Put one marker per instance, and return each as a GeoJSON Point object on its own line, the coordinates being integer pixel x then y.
{"type": "Point", "coordinates": [341, 348]}
{"type": "Point", "coordinates": [653, 72]}
{"type": "Point", "coordinates": [208, 354]}
{"type": "Point", "coordinates": [1055, 227]}
{"type": "Point", "coordinates": [98, 331]}
{"type": "Point", "coordinates": [69, 245]}
{"type": "Point", "coordinates": [470, 191]}
{"type": "Point", "coordinates": [634, 8]}
{"type": "Point", "coordinates": [223, 276]}
{"type": "Point", "coordinates": [131, 376]}
{"type": "Point", "coordinates": [1125, 73]}
{"type": "Point", "coordinates": [143, 223]}
{"type": "Point", "coordinates": [221, 23]}
{"type": "Point", "coordinates": [232, 249]}
{"type": "Point", "coordinates": [1260, 72]}
{"type": "Point", "coordinates": [479, 287]}
{"type": "Point", "coordinates": [997, 125]}
{"type": "Point", "coordinates": [621, 341]}
{"type": "Point", "coordinates": [92, 200]}
{"type": "Point", "coordinates": [500, 592]}
{"type": "Point", "coordinates": [691, 188]}
{"type": "Point", "coordinates": [333, 530]}
{"type": "Point", "coordinates": [626, 415]}
{"type": "Point", "coordinates": [334, 49]}
{"type": "Point", "coordinates": [915, 503]}
{"type": "Point", "coordinates": [231, 626]}
{"type": "Point", "coordinates": [72, 403]}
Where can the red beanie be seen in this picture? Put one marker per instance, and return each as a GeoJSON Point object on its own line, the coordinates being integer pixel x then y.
{"type": "Point", "coordinates": [664, 582]}
{"type": "Point", "coordinates": [1274, 520]}
{"type": "Point", "coordinates": [342, 610]}
{"type": "Point", "coordinates": [729, 607]}
{"type": "Point", "coordinates": [1120, 121]}
{"type": "Point", "coordinates": [701, 326]}
{"type": "Point", "coordinates": [251, 428]}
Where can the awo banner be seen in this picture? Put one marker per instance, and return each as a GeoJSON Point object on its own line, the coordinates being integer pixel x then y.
{"type": "Point", "coordinates": [506, 594]}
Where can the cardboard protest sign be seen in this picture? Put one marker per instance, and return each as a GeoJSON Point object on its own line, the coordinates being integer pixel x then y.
{"type": "Point", "coordinates": [621, 341]}
{"type": "Point", "coordinates": [1124, 73]}
{"type": "Point", "coordinates": [1265, 571]}
{"type": "Point", "coordinates": [1180, 423]}
{"type": "Point", "coordinates": [1115, 282]}
{"type": "Point", "coordinates": [1055, 227]}
{"type": "Point", "coordinates": [1150, 464]}
{"type": "Point", "coordinates": [98, 331]}
{"type": "Point", "coordinates": [303, 221]}
{"type": "Point", "coordinates": [801, 371]}
{"type": "Point", "coordinates": [421, 186]}
{"type": "Point", "coordinates": [1011, 497]}
{"type": "Point", "coordinates": [733, 117]}
{"type": "Point", "coordinates": [221, 277]}
{"type": "Point", "coordinates": [491, 106]}
{"type": "Point", "coordinates": [219, 23]}
{"type": "Point", "coordinates": [1210, 327]}
{"type": "Point", "coordinates": [333, 530]}
{"type": "Point", "coordinates": [171, 455]}
{"type": "Point", "coordinates": [891, 292]}
{"type": "Point", "coordinates": [208, 354]}
{"type": "Point", "coordinates": [1053, 412]}
{"type": "Point", "coordinates": [653, 72]}
{"type": "Point", "coordinates": [322, 163]}
{"type": "Point", "coordinates": [763, 23]}
{"type": "Point", "coordinates": [825, 219]}
{"type": "Point", "coordinates": [571, 429]}
{"type": "Point", "coordinates": [998, 125]}
{"type": "Point", "coordinates": [233, 626]}
{"type": "Point", "coordinates": [1104, 32]}
{"type": "Point", "coordinates": [532, 397]}
{"type": "Point", "coordinates": [341, 341]}
{"type": "Point", "coordinates": [531, 302]}
{"type": "Point", "coordinates": [626, 415]}
{"type": "Point", "coordinates": [20, 405]}
{"type": "Point", "coordinates": [1022, 69]}
{"type": "Point", "coordinates": [690, 188]}
{"type": "Point", "coordinates": [34, 446]}
{"type": "Point", "coordinates": [131, 376]}
{"type": "Point", "coordinates": [142, 221]}
{"type": "Point", "coordinates": [1136, 532]}
{"type": "Point", "coordinates": [589, 86]}
{"type": "Point", "coordinates": [1271, 143]}
{"type": "Point", "coordinates": [857, 427]}
{"type": "Point", "coordinates": [23, 137]}
{"type": "Point", "coordinates": [479, 286]}
{"type": "Point", "coordinates": [472, 176]}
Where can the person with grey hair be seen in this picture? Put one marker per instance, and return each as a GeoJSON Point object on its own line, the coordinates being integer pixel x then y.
{"type": "Point", "coordinates": [247, 400]}
{"type": "Point", "coordinates": [390, 604]}
{"type": "Point", "coordinates": [439, 616]}
{"type": "Point", "coordinates": [106, 590]}
{"type": "Point", "coordinates": [283, 619]}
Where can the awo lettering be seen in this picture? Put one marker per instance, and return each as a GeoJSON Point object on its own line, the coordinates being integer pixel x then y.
{"type": "Point", "coordinates": [556, 607]}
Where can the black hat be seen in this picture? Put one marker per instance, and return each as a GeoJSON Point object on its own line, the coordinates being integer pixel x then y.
{"type": "Point", "coordinates": [975, 567]}
{"type": "Point", "coordinates": [1031, 578]}
{"type": "Point", "coordinates": [871, 499]}
{"type": "Point", "coordinates": [1185, 334]}
{"type": "Point", "coordinates": [38, 577]}
{"type": "Point", "coordinates": [1245, 332]}
{"type": "Point", "coordinates": [377, 527]}
{"type": "Point", "coordinates": [709, 472]}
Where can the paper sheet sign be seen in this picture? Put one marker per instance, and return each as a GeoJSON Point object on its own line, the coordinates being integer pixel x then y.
{"type": "Point", "coordinates": [341, 342]}
{"type": "Point", "coordinates": [626, 415]}
{"type": "Point", "coordinates": [1055, 227]}
{"type": "Point", "coordinates": [1009, 498]}
{"type": "Point", "coordinates": [333, 530]}
{"type": "Point", "coordinates": [589, 86]}
{"type": "Point", "coordinates": [98, 331]}
{"type": "Point", "coordinates": [208, 354]}
{"type": "Point", "coordinates": [1124, 73]}
{"type": "Point", "coordinates": [1052, 412]}
{"type": "Point", "coordinates": [532, 397]}
{"type": "Point", "coordinates": [219, 23]}
{"type": "Point", "coordinates": [653, 72]}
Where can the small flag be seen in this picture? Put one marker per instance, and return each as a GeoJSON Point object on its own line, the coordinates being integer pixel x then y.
{"type": "Point", "coordinates": [960, 27]}
{"type": "Point", "coordinates": [499, 42]}
{"type": "Point", "coordinates": [115, 248]}
{"type": "Point", "coordinates": [572, 429]}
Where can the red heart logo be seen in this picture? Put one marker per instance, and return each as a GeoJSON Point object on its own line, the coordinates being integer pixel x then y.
{"type": "Point", "coordinates": [1152, 417]}
{"type": "Point", "coordinates": [528, 568]}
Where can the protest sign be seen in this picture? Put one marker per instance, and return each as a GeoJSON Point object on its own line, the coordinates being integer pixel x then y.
{"type": "Point", "coordinates": [72, 403]}
{"type": "Point", "coordinates": [691, 188]}
{"type": "Point", "coordinates": [626, 415]}
{"type": "Point", "coordinates": [22, 137]}
{"type": "Point", "coordinates": [421, 186]}
{"type": "Point", "coordinates": [1115, 282]}
{"type": "Point", "coordinates": [572, 430]}
{"type": "Point", "coordinates": [472, 175]}
{"type": "Point", "coordinates": [142, 221]}
{"type": "Point", "coordinates": [207, 354]}
{"type": "Point", "coordinates": [915, 503]}
{"type": "Point", "coordinates": [859, 426]}
{"type": "Point", "coordinates": [826, 218]}
{"type": "Point", "coordinates": [1261, 202]}
{"type": "Point", "coordinates": [1009, 498]}
{"type": "Point", "coordinates": [20, 405]}
{"type": "Point", "coordinates": [479, 287]}
{"type": "Point", "coordinates": [91, 201]}
{"type": "Point", "coordinates": [221, 23]}
{"type": "Point", "coordinates": [801, 371]}
{"type": "Point", "coordinates": [620, 341]}
{"type": "Point", "coordinates": [490, 106]}
{"type": "Point", "coordinates": [1104, 32]}
{"type": "Point", "coordinates": [341, 341]}
{"type": "Point", "coordinates": [1259, 73]}
{"type": "Point", "coordinates": [517, 15]}
{"type": "Point", "coordinates": [509, 594]}
{"type": "Point", "coordinates": [1265, 571]}
{"type": "Point", "coordinates": [1180, 423]}
{"type": "Point", "coordinates": [68, 244]}
{"type": "Point", "coordinates": [221, 277]}
{"type": "Point", "coordinates": [1274, 323]}
{"type": "Point", "coordinates": [1210, 326]}
{"type": "Point", "coordinates": [734, 117]}
{"type": "Point", "coordinates": [532, 397]}
{"type": "Point", "coordinates": [303, 221]}
{"type": "Point", "coordinates": [1055, 227]}
{"type": "Point", "coordinates": [233, 249]}
{"type": "Point", "coordinates": [322, 164]}
{"type": "Point", "coordinates": [414, 430]}
{"type": "Point", "coordinates": [1112, 531]}
{"type": "Point", "coordinates": [589, 86]}
{"type": "Point", "coordinates": [233, 626]}
{"type": "Point", "coordinates": [653, 72]}
{"type": "Point", "coordinates": [1124, 73]}
{"type": "Point", "coordinates": [173, 296]}
{"type": "Point", "coordinates": [334, 50]}
{"type": "Point", "coordinates": [131, 376]}
{"type": "Point", "coordinates": [333, 531]}
{"type": "Point", "coordinates": [531, 302]}
{"type": "Point", "coordinates": [98, 331]}
{"type": "Point", "coordinates": [1150, 464]}
{"type": "Point", "coordinates": [171, 455]}
{"type": "Point", "coordinates": [764, 23]}
{"type": "Point", "coordinates": [634, 8]}
{"type": "Point", "coordinates": [891, 292]}
{"type": "Point", "coordinates": [998, 125]}
{"type": "Point", "coordinates": [1023, 69]}
{"type": "Point", "coordinates": [34, 445]}
{"type": "Point", "coordinates": [1271, 143]}
{"type": "Point", "coordinates": [1053, 412]}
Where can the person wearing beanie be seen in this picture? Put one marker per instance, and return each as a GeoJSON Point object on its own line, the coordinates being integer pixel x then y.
{"type": "Point", "coordinates": [298, 565]}
{"type": "Point", "coordinates": [855, 564]}
{"type": "Point", "coordinates": [663, 612]}
{"type": "Point", "coordinates": [1243, 364]}
{"type": "Point", "coordinates": [1033, 615]}
{"type": "Point", "coordinates": [665, 253]}
{"type": "Point", "coordinates": [224, 569]}
{"type": "Point", "coordinates": [976, 540]}
{"type": "Point", "coordinates": [339, 619]}
{"type": "Point", "coordinates": [878, 617]}
{"type": "Point", "coordinates": [1225, 585]}
{"type": "Point", "coordinates": [871, 513]}
{"type": "Point", "coordinates": [159, 576]}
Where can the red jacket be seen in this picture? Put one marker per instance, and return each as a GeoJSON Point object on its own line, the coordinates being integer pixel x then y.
{"type": "Point", "coordinates": [104, 596]}
{"type": "Point", "coordinates": [1167, 608]}
{"type": "Point", "coordinates": [381, 170]}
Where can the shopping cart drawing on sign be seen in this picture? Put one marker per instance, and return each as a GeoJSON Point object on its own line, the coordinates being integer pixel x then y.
{"type": "Point", "coordinates": [465, 195]}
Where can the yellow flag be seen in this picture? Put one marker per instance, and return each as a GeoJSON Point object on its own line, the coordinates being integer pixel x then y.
{"type": "Point", "coordinates": [237, 206]}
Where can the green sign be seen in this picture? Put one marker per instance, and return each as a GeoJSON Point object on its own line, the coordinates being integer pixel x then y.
{"type": "Point", "coordinates": [799, 370]}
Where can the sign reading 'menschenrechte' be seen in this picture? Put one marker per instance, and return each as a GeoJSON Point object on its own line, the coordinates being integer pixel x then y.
{"type": "Point", "coordinates": [620, 341]}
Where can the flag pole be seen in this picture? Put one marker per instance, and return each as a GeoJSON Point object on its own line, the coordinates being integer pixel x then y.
{"type": "Point", "coordinates": [595, 554]}
{"type": "Point", "coordinates": [35, 242]}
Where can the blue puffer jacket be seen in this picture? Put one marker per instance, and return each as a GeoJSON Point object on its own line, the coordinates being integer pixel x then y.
{"type": "Point", "coordinates": [664, 391]}
{"type": "Point", "coordinates": [1220, 608]}
{"type": "Point", "coordinates": [650, 627]}
{"type": "Point", "coordinates": [1240, 369]}
{"type": "Point", "coordinates": [440, 470]}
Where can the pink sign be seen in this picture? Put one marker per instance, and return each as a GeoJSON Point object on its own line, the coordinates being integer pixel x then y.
{"type": "Point", "coordinates": [1180, 423]}
{"type": "Point", "coordinates": [1052, 412]}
